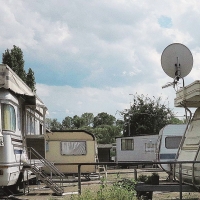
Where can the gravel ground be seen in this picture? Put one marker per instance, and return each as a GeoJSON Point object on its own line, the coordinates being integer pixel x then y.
{"type": "Point", "coordinates": [41, 192]}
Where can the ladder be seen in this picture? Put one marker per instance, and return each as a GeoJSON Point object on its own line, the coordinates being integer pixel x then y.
{"type": "Point", "coordinates": [101, 168]}
{"type": "Point", "coordinates": [34, 167]}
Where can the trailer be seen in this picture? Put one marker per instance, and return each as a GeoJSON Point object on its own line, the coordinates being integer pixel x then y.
{"type": "Point", "coordinates": [137, 148]}
{"type": "Point", "coordinates": [71, 146]}
{"type": "Point", "coordinates": [168, 143]}
{"type": "Point", "coordinates": [22, 117]}
{"type": "Point", "coordinates": [189, 150]}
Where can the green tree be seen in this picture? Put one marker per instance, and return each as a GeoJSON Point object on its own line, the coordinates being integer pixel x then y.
{"type": "Point", "coordinates": [106, 134]}
{"type": "Point", "coordinates": [67, 123]}
{"type": "Point", "coordinates": [106, 126]}
{"type": "Point", "coordinates": [120, 124]}
{"type": "Point", "coordinates": [14, 59]}
{"type": "Point", "coordinates": [146, 116]}
{"type": "Point", "coordinates": [104, 119]}
{"type": "Point", "coordinates": [88, 119]}
{"type": "Point", "coordinates": [53, 124]}
{"type": "Point", "coordinates": [175, 120]}
{"type": "Point", "coordinates": [77, 122]}
{"type": "Point", "coordinates": [30, 79]}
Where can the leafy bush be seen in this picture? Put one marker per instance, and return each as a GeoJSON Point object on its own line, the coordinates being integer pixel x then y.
{"type": "Point", "coordinates": [142, 178]}
{"type": "Point", "coordinates": [120, 190]}
{"type": "Point", "coordinates": [147, 179]}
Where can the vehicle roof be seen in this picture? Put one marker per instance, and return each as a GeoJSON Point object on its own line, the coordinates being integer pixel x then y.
{"type": "Point", "coordinates": [173, 129]}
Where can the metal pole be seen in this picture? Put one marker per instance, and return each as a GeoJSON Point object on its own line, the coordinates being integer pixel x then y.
{"type": "Point", "coordinates": [27, 181]}
{"type": "Point", "coordinates": [23, 182]}
{"type": "Point", "coordinates": [174, 172]}
{"type": "Point", "coordinates": [135, 174]}
{"type": "Point", "coordinates": [79, 179]}
{"type": "Point", "coordinates": [180, 179]}
{"type": "Point", "coordinates": [129, 128]}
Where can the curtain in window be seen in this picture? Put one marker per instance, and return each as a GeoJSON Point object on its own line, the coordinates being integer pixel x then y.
{"type": "Point", "coordinates": [73, 148]}
{"type": "Point", "coordinates": [9, 117]}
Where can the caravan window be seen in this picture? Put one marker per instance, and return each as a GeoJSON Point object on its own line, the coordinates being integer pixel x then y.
{"type": "Point", "coordinates": [31, 122]}
{"type": "Point", "coordinates": [8, 117]}
{"type": "Point", "coordinates": [73, 148]}
{"type": "Point", "coordinates": [127, 144]}
{"type": "Point", "coordinates": [172, 142]}
{"type": "Point", "coordinates": [34, 122]}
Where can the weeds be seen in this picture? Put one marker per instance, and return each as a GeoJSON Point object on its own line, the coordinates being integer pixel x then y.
{"type": "Point", "coordinates": [121, 190]}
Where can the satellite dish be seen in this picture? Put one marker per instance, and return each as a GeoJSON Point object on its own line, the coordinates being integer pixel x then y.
{"type": "Point", "coordinates": [177, 60]}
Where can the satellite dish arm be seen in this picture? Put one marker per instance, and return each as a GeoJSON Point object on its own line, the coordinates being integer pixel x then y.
{"type": "Point", "coordinates": [176, 79]}
{"type": "Point", "coordinates": [174, 82]}
{"type": "Point", "coordinates": [178, 72]}
{"type": "Point", "coordinates": [178, 69]}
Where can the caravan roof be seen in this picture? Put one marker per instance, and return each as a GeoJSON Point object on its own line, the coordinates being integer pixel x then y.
{"type": "Point", "coordinates": [69, 134]}
{"type": "Point", "coordinates": [11, 81]}
{"type": "Point", "coordinates": [173, 129]}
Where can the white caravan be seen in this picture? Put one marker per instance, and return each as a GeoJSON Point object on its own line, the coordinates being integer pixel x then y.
{"type": "Point", "coordinates": [168, 143]}
{"type": "Point", "coordinates": [22, 116]}
{"type": "Point", "coordinates": [137, 148]}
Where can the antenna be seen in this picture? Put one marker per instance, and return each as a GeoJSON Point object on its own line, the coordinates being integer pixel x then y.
{"type": "Point", "coordinates": [177, 62]}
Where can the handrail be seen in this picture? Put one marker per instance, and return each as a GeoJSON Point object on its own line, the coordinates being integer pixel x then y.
{"type": "Point", "coordinates": [179, 163]}
{"type": "Point", "coordinates": [49, 165]}
{"type": "Point", "coordinates": [45, 162]}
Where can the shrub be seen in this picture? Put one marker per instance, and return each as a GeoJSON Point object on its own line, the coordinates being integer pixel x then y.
{"type": "Point", "coordinates": [142, 178]}
{"type": "Point", "coordinates": [148, 179]}
{"type": "Point", "coordinates": [120, 190]}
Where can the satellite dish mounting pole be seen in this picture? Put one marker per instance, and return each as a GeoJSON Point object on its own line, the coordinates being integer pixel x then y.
{"type": "Point", "coordinates": [178, 69]}
{"type": "Point", "coordinates": [178, 72]}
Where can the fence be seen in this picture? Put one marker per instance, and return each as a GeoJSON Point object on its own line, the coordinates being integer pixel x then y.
{"type": "Point", "coordinates": [173, 163]}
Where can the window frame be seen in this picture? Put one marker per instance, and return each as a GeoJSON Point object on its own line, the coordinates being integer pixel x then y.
{"type": "Point", "coordinates": [75, 145]}
{"type": "Point", "coordinates": [127, 144]}
{"type": "Point", "coordinates": [12, 115]}
{"type": "Point", "coordinates": [172, 138]}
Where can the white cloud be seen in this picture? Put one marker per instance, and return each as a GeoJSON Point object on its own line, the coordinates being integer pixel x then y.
{"type": "Point", "coordinates": [89, 55]}
{"type": "Point", "coordinates": [67, 101]}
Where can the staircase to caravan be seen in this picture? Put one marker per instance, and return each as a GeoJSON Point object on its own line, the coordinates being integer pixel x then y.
{"type": "Point", "coordinates": [46, 178]}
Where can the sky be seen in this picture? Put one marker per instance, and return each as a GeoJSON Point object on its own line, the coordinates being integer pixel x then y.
{"type": "Point", "coordinates": [94, 56]}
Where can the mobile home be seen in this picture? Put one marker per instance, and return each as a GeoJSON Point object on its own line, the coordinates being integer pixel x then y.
{"type": "Point", "coordinates": [22, 117]}
{"type": "Point", "coordinates": [168, 143]}
{"type": "Point", "coordinates": [137, 148]}
{"type": "Point", "coordinates": [71, 146]}
{"type": "Point", "coordinates": [190, 148]}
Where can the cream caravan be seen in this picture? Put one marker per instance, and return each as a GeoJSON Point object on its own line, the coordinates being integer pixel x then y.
{"type": "Point", "coordinates": [71, 146]}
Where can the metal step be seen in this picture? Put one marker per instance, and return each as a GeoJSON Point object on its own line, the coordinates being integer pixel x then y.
{"type": "Point", "coordinates": [58, 189]}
